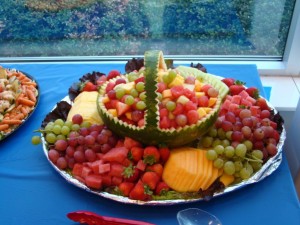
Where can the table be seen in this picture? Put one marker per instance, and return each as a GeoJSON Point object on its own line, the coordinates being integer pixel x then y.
{"type": "Point", "coordinates": [32, 192]}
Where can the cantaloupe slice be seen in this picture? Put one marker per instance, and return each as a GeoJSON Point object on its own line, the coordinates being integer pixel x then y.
{"type": "Point", "coordinates": [188, 170]}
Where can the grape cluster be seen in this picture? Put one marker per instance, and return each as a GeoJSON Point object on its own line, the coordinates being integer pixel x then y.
{"type": "Point", "coordinates": [76, 141]}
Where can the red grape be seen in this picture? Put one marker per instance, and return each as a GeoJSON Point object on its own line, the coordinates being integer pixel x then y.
{"type": "Point", "coordinates": [89, 140]}
{"type": "Point", "coordinates": [53, 155]}
{"type": "Point", "coordinates": [77, 119]}
{"type": "Point", "coordinates": [90, 155]}
{"type": "Point", "coordinates": [79, 156]}
{"type": "Point", "coordinates": [61, 145]}
{"type": "Point", "coordinates": [62, 163]}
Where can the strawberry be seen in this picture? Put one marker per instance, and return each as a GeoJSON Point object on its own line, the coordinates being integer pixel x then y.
{"type": "Point", "coordinates": [131, 173]}
{"type": "Point", "coordinates": [157, 168]}
{"type": "Point", "coordinates": [228, 81]}
{"type": "Point", "coordinates": [113, 74]}
{"type": "Point", "coordinates": [164, 154]}
{"type": "Point", "coordinates": [139, 192]}
{"type": "Point", "coordinates": [161, 187]}
{"type": "Point", "coordinates": [235, 89]}
{"type": "Point", "coordinates": [151, 179]}
{"type": "Point", "coordinates": [140, 79]}
{"type": "Point", "coordinates": [89, 86]}
{"type": "Point", "coordinates": [151, 155]}
{"type": "Point", "coordinates": [125, 188]}
{"type": "Point", "coordinates": [262, 103]}
{"type": "Point", "coordinates": [253, 92]}
{"type": "Point", "coordinates": [136, 153]}
{"type": "Point", "coordinates": [101, 80]}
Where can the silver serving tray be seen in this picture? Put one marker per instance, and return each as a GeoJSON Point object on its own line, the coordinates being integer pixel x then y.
{"type": "Point", "coordinates": [267, 169]}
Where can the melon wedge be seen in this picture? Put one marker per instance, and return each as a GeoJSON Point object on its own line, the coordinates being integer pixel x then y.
{"type": "Point", "coordinates": [188, 170]}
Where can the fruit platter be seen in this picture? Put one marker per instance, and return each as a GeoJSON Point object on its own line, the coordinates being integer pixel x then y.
{"type": "Point", "coordinates": [162, 135]}
{"type": "Point", "coordinates": [19, 96]}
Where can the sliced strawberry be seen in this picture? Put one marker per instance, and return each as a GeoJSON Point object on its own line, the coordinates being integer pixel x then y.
{"type": "Point", "coordinates": [122, 108]}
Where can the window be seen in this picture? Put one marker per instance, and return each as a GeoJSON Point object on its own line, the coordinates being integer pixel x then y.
{"type": "Point", "coordinates": [238, 31]}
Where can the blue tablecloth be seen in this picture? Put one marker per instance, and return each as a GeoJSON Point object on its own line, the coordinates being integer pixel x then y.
{"type": "Point", "coordinates": [32, 192]}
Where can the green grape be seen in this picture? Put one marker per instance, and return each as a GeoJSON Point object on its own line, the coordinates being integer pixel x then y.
{"type": "Point", "coordinates": [134, 93]}
{"type": "Point", "coordinates": [140, 105]}
{"type": "Point", "coordinates": [60, 137]}
{"type": "Point", "coordinates": [248, 144]}
{"type": "Point", "coordinates": [225, 143]}
{"type": "Point", "coordinates": [256, 165]}
{"type": "Point", "coordinates": [140, 86]}
{"type": "Point", "coordinates": [59, 122]}
{"type": "Point", "coordinates": [56, 129]}
{"type": "Point", "coordinates": [228, 135]}
{"type": "Point", "coordinates": [65, 130]}
{"type": "Point", "coordinates": [206, 141]}
{"type": "Point", "coordinates": [216, 142]}
{"type": "Point", "coordinates": [241, 150]}
{"type": "Point", "coordinates": [211, 154]}
{"type": "Point", "coordinates": [68, 124]}
{"type": "Point", "coordinates": [36, 140]}
{"type": "Point", "coordinates": [229, 151]}
{"type": "Point", "coordinates": [75, 127]}
{"type": "Point", "coordinates": [172, 74]}
{"type": "Point", "coordinates": [213, 132]}
{"type": "Point", "coordinates": [49, 127]}
{"type": "Point", "coordinates": [229, 168]}
{"type": "Point", "coordinates": [219, 149]}
{"type": "Point", "coordinates": [218, 163]}
{"type": "Point", "coordinates": [221, 133]}
{"type": "Point", "coordinates": [120, 92]}
{"type": "Point", "coordinates": [143, 96]}
{"type": "Point", "coordinates": [166, 79]}
{"type": "Point", "coordinates": [245, 174]}
{"type": "Point", "coordinates": [50, 138]}
{"type": "Point", "coordinates": [249, 167]}
{"type": "Point", "coordinates": [257, 154]}
{"type": "Point", "coordinates": [132, 76]}
{"type": "Point", "coordinates": [129, 100]}
{"type": "Point", "coordinates": [85, 124]}
{"type": "Point", "coordinates": [170, 105]}
{"type": "Point", "coordinates": [238, 165]}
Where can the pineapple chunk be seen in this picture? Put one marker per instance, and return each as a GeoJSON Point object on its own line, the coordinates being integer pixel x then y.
{"type": "Point", "coordinates": [167, 93]}
{"type": "Point", "coordinates": [85, 105]}
{"type": "Point", "coordinates": [113, 112]}
{"type": "Point", "coordinates": [198, 86]}
{"type": "Point", "coordinates": [226, 179]}
{"type": "Point", "coordinates": [178, 81]}
{"type": "Point", "coordinates": [201, 111]}
{"type": "Point", "coordinates": [212, 101]}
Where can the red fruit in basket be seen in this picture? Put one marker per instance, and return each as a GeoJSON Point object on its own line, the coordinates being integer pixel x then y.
{"type": "Point", "coordinates": [89, 86]}
{"type": "Point", "coordinates": [139, 192]}
{"type": "Point", "coordinates": [113, 74]}
{"type": "Point", "coordinates": [151, 155]}
{"type": "Point", "coordinates": [236, 89]}
{"type": "Point", "coordinates": [122, 108]}
{"type": "Point", "coordinates": [125, 188]}
{"type": "Point", "coordinates": [253, 92]}
{"type": "Point", "coordinates": [136, 153]}
{"type": "Point", "coordinates": [151, 179]}
{"type": "Point", "coordinates": [228, 81]}
{"type": "Point", "coordinates": [161, 187]}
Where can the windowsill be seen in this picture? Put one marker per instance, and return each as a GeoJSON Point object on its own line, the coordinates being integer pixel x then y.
{"type": "Point", "coordinates": [284, 93]}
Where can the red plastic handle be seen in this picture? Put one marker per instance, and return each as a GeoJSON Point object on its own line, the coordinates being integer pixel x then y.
{"type": "Point", "coordinates": [91, 218]}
